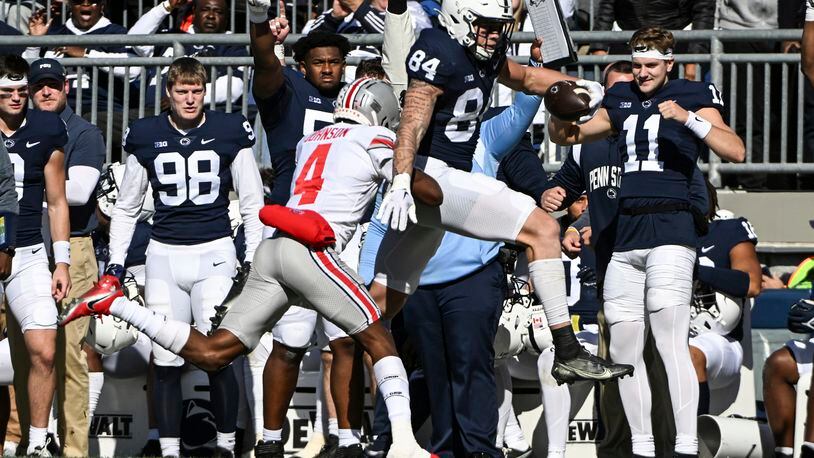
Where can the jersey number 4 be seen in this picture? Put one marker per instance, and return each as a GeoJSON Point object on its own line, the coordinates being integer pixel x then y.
{"type": "Point", "coordinates": [309, 182]}
{"type": "Point", "coordinates": [203, 185]}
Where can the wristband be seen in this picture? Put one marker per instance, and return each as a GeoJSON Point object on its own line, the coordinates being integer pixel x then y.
{"type": "Point", "coordinates": [535, 63]}
{"type": "Point", "coordinates": [62, 252]}
{"type": "Point", "coordinates": [279, 51]}
{"type": "Point", "coordinates": [698, 125]}
{"type": "Point", "coordinates": [572, 228]}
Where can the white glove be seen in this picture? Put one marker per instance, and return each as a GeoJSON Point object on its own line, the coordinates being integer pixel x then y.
{"type": "Point", "coordinates": [398, 204]}
{"type": "Point", "coordinates": [258, 10]}
{"type": "Point", "coordinates": [596, 92]}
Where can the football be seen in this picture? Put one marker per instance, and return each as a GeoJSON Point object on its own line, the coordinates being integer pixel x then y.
{"type": "Point", "coordinates": [567, 101]}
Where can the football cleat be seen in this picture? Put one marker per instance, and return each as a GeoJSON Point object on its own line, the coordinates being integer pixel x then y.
{"type": "Point", "coordinates": [350, 451]}
{"type": "Point", "coordinates": [95, 302]}
{"type": "Point", "coordinates": [269, 449]}
{"type": "Point", "coordinates": [329, 449]}
{"type": "Point", "coordinates": [586, 366]}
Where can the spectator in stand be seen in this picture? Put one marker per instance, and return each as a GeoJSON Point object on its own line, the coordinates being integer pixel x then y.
{"type": "Point", "coordinates": [210, 16]}
{"type": "Point", "coordinates": [6, 30]}
{"type": "Point", "coordinates": [362, 16]}
{"type": "Point", "coordinates": [87, 17]}
{"type": "Point", "coordinates": [17, 14]}
{"type": "Point", "coordinates": [670, 14]}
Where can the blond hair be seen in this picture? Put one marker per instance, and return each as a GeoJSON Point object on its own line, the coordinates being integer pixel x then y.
{"type": "Point", "coordinates": [653, 38]}
{"type": "Point", "coordinates": [186, 70]}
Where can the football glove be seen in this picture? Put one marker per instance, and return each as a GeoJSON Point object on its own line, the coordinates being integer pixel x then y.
{"type": "Point", "coordinates": [115, 270]}
{"type": "Point", "coordinates": [801, 317]}
{"type": "Point", "coordinates": [398, 205]}
{"type": "Point", "coordinates": [259, 10]}
{"type": "Point", "coordinates": [597, 93]}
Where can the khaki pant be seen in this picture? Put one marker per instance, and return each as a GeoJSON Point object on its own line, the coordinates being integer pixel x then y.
{"type": "Point", "coordinates": [71, 363]}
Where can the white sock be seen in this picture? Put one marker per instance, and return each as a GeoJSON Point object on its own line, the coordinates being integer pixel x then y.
{"type": "Point", "coordinates": [96, 380]}
{"type": "Point", "coordinates": [348, 437]}
{"type": "Point", "coordinates": [548, 278]}
{"type": "Point", "coordinates": [394, 387]}
{"type": "Point", "coordinates": [503, 383]}
{"type": "Point", "coordinates": [170, 446]}
{"type": "Point", "coordinates": [319, 427]}
{"type": "Point", "coordinates": [555, 453]}
{"type": "Point", "coordinates": [36, 437]}
{"type": "Point", "coordinates": [10, 448]}
{"type": "Point", "coordinates": [556, 403]}
{"type": "Point", "coordinates": [333, 427]}
{"type": "Point", "coordinates": [784, 451]}
{"type": "Point", "coordinates": [226, 440]}
{"type": "Point", "coordinates": [514, 437]}
{"type": "Point", "coordinates": [152, 434]}
{"type": "Point", "coordinates": [170, 334]}
{"type": "Point", "coordinates": [272, 435]}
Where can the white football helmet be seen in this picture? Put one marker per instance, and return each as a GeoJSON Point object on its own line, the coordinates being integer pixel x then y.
{"type": "Point", "coordinates": [714, 311]}
{"type": "Point", "coordinates": [724, 214]}
{"type": "Point", "coordinates": [461, 19]}
{"type": "Point", "coordinates": [369, 102]}
{"type": "Point", "coordinates": [522, 325]}
{"type": "Point", "coordinates": [107, 191]}
{"type": "Point", "coordinates": [108, 334]}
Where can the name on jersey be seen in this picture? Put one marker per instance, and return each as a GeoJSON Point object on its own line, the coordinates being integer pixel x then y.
{"type": "Point", "coordinates": [604, 176]}
{"type": "Point", "coordinates": [327, 134]}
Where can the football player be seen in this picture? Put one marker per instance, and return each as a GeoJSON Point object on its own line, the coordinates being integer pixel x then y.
{"type": "Point", "coordinates": [452, 72]}
{"type": "Point", "coordinates": [345, 163]}
{"type": "Point", "coordinates": [728, 275]}
{"type": "Point", "coordinates": [192, 158]}
{"type": "Point", "coordinates": [651, 269]}
{"type": "Point", "coordinates": [35, 141]}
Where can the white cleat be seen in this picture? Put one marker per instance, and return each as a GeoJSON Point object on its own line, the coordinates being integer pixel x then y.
{"type": "Point", "coordinates": [313, 447]}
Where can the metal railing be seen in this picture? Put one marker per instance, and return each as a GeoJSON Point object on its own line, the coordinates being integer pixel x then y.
{"type": "Point", "coordinates": [780, 147]}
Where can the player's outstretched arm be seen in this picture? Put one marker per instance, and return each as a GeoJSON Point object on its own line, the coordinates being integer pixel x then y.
{"type": "Point", "coordinates": [569, 133]}
{"type": "Point", "coordinates": [59, 222]}
{"type": "Point", "coordinates": [419, 102]}
{"type": "Point", "coordinates": [708, 125]}
{"type": "Point", "coordinates": [265, 34]}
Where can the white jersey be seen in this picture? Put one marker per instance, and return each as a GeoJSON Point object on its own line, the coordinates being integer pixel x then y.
{"type": "Point", "coordinates": [339, 169]}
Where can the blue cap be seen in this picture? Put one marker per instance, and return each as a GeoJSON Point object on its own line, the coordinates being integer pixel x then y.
{"type": "Point", "coordinates": [46, 69]}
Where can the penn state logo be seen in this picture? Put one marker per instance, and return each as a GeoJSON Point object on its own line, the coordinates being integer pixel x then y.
{"type": "Point", "coordinates": [16, 77]}
{"type": "Point", "coordinates": [185, 141]}
{"type": "Point", "coordinates": [647, 103]}
{"type": "Point", "coordinates": [198, 425]}
{"type": "Point", "coordinates": [9, 143]}
{"type": "Point", "coordinates": [611, 193]}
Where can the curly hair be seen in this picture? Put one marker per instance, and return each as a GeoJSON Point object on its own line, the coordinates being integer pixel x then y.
{"type": "Point", "coordinates": [319, 39]}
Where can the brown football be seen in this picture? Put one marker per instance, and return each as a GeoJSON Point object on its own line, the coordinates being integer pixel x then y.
{"type": "Point", "coordinates": [567, 101]}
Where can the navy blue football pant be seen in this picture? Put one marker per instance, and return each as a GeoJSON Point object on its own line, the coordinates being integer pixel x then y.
{"type": "Point", "coordinates": [453, 328]}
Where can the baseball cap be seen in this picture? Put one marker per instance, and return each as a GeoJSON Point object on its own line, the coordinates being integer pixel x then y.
{"type": "Point", "coordinates": [46, 69]}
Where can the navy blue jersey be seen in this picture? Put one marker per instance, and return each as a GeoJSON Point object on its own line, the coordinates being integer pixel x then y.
{"type": "Point", "coordinates": [439, 60]}
{"type": "Point", "coordinates": [713, 249]}
{"type": "Point", "coordinates": [659, 158]}
{"type": "Point", "coordinates": [6, 30]}
{"type": "Point", "coordinates": [30, 148]}
{"type": "Point", "coordinates": [297, 109]}
{"type": "Point", "coordinates": [136, 253]}
{"type": "Point", "coordinates": [659, 155]}
{"type": "Point", "coordinates": [189, 174]}
{"type": "Point", "coordinates": [85, 147]}
{"type": "Point", "coordinates": [724, 234]}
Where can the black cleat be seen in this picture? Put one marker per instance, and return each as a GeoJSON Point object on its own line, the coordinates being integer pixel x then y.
{"type": "Point", "coordinates": [586, 366]}
{"type": "Point", "coordinates": [330, 447]}
{"type": "Point", "coordinates": [151, 448]}
{"type": "Point", "coordinates": [269, 449]}
{"type": "Point", "coordinates": [350, 451]}
{"type": "Point", "coordinates": [379, 447]}
{"type": "Point", "coordinates": [221, 452]}
{"type": "Point", "coordinates": [514, 453]}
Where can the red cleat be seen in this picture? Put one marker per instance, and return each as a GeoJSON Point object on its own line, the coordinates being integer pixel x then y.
{"type": "Point", "coordinates": [97, 301]}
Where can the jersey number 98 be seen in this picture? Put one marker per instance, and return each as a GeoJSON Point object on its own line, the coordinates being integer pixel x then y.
{"type": "Point", "coordinates": [203, 185]}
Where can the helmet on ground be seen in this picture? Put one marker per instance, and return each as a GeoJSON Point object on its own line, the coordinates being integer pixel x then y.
{"type": "Point", "coordinates": [108, 334]}
{"type": "Point", "coordinates": [463, 19]}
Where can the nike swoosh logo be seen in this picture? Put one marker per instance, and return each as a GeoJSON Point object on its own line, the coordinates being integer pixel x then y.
{"type": "Point", "coordinates": [216, 264]}
{"type": "Point", "coordinates": [29, 144]}
{"type": "Point", "coordinates": [34, 251]}
{"type": "Point", "coordinates": [707, 248]}
{"type": "Point", "coordinates": [204, 142]}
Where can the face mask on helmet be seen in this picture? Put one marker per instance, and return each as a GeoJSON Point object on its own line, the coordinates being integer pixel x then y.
{"type": "Point", "coordinates": [369, 102]}
{"type": "Point", "coordinates": [484, 27]}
